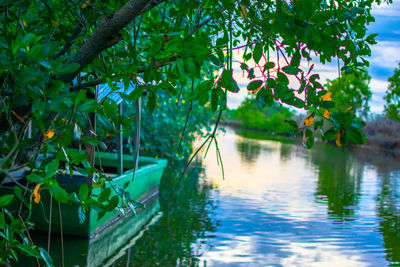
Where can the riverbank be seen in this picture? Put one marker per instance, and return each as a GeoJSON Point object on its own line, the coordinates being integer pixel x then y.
{"type": "Point", "coordinates": [383, 135]}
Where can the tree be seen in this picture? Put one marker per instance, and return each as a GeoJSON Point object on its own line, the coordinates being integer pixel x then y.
{"type": "Point", "coordinates": [393, 96]}
{"type": "Point", "coordinates": [351, 91]}
{"type": "Point", "coordinates": [51, 63]}
{"type": "Point", "coordinates": [269, 118]}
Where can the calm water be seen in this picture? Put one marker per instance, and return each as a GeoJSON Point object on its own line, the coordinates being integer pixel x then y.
{"type": "Point", "coordinates": [279, 205]}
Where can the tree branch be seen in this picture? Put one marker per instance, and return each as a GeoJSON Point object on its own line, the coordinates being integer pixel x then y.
{"type": "Point", "coordinates": [106, 33]}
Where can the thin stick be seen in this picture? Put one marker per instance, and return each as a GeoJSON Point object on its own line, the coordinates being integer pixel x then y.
{"type": "Point", "coordinates": [187, 120]}
{"type": "Point", "coordinates": [198, 150]}
{"type": "Point", "coordinates": [61, 233]}
{"type": "Point", "coordinates": [29, 236]}
{"type": "Point", "coordinates": [49, 232]}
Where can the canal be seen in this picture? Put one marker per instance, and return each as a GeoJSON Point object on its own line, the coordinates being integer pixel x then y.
{"type": "Point", "coordinates": [278, 204]}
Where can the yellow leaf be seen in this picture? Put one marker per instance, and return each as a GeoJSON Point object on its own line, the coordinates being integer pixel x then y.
{"type": "Point", "coordinates": [64, 120]}
{"type": "Point", "coordinates": [327, 97]}
{"type": "Point", "coordinates": [84, 5]}
{"type": "Point", "coordinates": [97, 185]}
{"type": "Point", "coordinates": [183, 101]}
{"type": "Point", "coordinates": [24, 23]}
{"type": "Point", "coordinates": [243, 12]}
{"type": "Point", "coordinates": [309, 120]}
{"type": "Point", "coordinates": [338, 136]}
{"type": "Point", "coordinates": [348, 109]}
{"type": "Point", "coordinates": [49, 134]}
{"type": "Point", "coordinates": [56, 23]}
{"type": "Point", "coordinates": [327, 114]}
{"type": "Point", "coordinates": [36, 193]}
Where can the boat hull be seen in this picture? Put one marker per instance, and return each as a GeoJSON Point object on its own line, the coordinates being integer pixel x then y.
{"type": "Point", "coordinates": [143, 187]}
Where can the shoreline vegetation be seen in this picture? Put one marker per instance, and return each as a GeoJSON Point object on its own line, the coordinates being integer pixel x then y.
{"type": "Point", "coordinates": [383, 135]}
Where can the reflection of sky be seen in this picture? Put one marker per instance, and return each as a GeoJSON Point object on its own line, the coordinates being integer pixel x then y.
{"type": "Point", "coordinates": [269, 215]}
{"type": "Point", "coordinates": [384, 59]}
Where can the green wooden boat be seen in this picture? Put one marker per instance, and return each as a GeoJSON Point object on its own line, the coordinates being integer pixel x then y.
{"type": "Point", "coordinates": [144, 189]}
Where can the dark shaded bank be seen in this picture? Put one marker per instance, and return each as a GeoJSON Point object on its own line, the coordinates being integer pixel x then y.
{"type": "Point", "coordinates": [383, 135]}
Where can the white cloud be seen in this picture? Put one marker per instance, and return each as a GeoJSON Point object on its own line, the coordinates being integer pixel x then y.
{"type": "Point", "coordinates": [387, 10]}
{"type": "Point", "coordinates": [378, 86]}
{"type": "Point", "coordinates": [385, 54]}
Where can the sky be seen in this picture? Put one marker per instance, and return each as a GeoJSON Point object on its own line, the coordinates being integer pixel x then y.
{"type": "Point", "coordinates": [384, 58]}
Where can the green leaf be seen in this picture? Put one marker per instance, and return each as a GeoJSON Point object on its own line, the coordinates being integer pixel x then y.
{"type": "Point", "coordinates": [269, 65]}
{"type": "Point", "coordinates": [51, 168]}
{"type": "Point", "coordinates": [34, 178]}
{"type": "Point", "coordinates": [257, 53]}
{"type": "Point", "coordinates": [113, 203]}
{"type": "Point", "coordinates": [214, 100]}
{"type": "Point", "coordinates": [254, 85]}
{"type": "Point", "coordinates": [310, 142]}
{"type": "Point", "coordinates": [330, 134]}
{"type": "Point", "coordinates": [104, 195]}
{"type": "Point", "coordinates": [6, 199]}
{"type": "Point", "coordinates": [30, 251]}
{"type": "Point", "coordinates": [105, 123]}
{"type": "Point", "coordinates": [2, 221]}
{"type": "Point", "coordinates": [328, 104]}
{"type": "Point", "coordinates": [89, 106]}
{"type": "Point", "coordinates": [295, 59]}
{"type": "Point", "coordinates": [291, 70]}
{"type": "Point", "coordinates": [282, 79]}
{"type": "Point", "coordinates": [151, 101]}
{"type": "Point", "coordinates": [28, 77]}
{"type": "Point", "coordinates": [18, 192]}
{"type": "Point", "coordinates": [264, 97]}
{"type": "Point", "coordinates": [215, 60]}
{"type": "Point", "coordinates": [314, 77]}
{"type": "Point", "coordinates": [83, 192]}
{"type": "Point", "coordinates": [60, 194]}
{"type": "Point", "coordinates": [46, 257]}
{"type": "Point", "coordinates": [69, 68]}
{"type": "Point", "coordinates": [228, 82]}
{"type": "Point", "coordinates": [371, 39]}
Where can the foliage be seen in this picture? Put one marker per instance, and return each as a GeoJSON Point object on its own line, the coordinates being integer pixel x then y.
{"type": "Point", "coordinates": [161, 133]}
{"type": "Point", "coordinates": [50, 65]}
{"type": "Point", "coordinates": [351, 91]}
{"type": "Point", "coordinates": [393, 96]}
{"type": "Point", "coordinates": [268, 118]}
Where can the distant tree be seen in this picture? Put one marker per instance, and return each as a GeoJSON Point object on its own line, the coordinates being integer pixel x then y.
{"type": "Point", "coordinates": [270, 118]}
{"type": "Point", "coordinates": [393, 96]}
{"type": "Point", "coordinates": [351, 91]}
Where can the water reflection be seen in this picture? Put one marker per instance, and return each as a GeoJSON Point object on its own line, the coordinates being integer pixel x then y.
{"type": "Point", "coordinates": [339, 180]}
{"type": "Point", "coordinates": [248, 149]}
{"type": "Point", "coordinates": [389, 211]}
{"type": "Point", "coordinates": [181, 233]}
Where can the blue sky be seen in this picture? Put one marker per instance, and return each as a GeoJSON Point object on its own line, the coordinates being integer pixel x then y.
{"type": "Point", "coordinates": [384, 58]}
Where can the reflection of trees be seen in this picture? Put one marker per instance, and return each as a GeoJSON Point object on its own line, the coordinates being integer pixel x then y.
{"type": "Point", "coordinates": [187, 218]}
{"type": "Point", "coordinates": [389, 211]}
{"type": "Point", "coordinates": [248, 149]}
{"type": "Point", "coordinates": [286, 152]}
{"type": "Point", "coordinates": [339, 179]}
